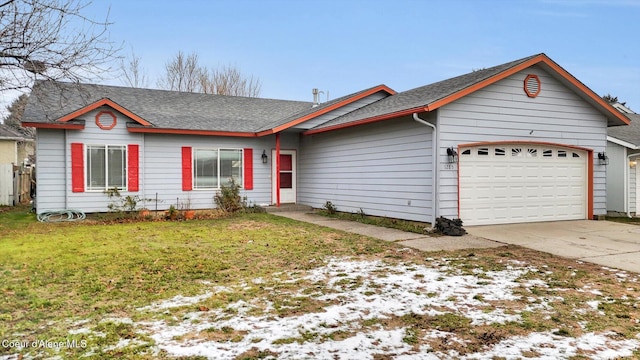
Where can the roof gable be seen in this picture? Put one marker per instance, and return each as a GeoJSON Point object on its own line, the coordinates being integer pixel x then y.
{"type": "Point", "coordinates": [433, 96]}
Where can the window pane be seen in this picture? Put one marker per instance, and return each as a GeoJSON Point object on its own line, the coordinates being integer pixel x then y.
{"type": "Point", "coordinates": [231, 166]}
{"type": "Point", "coordinates": [96, 179]}
{"type": "Point", "coordinates": [206, 169]}
{"type": "Point", "coordinates": [286, 163]}
{"type": "Point", "coordinates": [286, 180]}
{"type": "Point", "coordinates": [116, 166]}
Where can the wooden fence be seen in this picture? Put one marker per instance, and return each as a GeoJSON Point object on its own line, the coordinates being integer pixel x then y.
{"type": "Point", "coordinates": [15, 184]}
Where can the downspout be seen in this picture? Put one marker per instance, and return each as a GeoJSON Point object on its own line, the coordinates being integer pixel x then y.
{"type": "Point", "coordinates": [277, 169]}
{"type": "Point", "coordinates": [435, 147]}
{"type": "Point", "coordinates": [627, 193]}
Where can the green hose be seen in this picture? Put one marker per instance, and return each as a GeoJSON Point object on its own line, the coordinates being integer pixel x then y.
{"type": "Point", "coordinates": [61, 215]}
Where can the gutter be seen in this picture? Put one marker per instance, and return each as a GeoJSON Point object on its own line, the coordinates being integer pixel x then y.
{"type": "Point", "coordinates": [435, 147]}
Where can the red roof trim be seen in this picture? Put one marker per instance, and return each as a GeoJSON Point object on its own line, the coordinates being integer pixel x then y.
{"type": "Point", "coordinates": [53, 126]}
{"type": "Point", "coordinates": [335, 106]}
{"type": "Point", "coordinates": [104, 102]}
{"type": "Point", "coordinates": [192, 132]}
{"type": "Point", "coordinates": [365, 121]}
{"type": "Point", "coordinates": [533, 61]}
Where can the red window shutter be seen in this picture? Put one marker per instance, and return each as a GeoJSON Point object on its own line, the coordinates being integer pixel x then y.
{"type": "Point", "coordinates": [248, 169]}
{"type": "Point", "coordinates": [77, 167]}
{"type": "Point", "coordinates": [187, 183]}
{"type": "Point", "coordinates": [133, 166]}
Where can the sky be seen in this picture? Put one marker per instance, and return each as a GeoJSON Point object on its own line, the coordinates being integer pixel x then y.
{"type": "Point", "coordinates": [343, 46]}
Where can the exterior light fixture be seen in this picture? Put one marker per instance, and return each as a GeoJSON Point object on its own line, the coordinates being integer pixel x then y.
{"type": "Point", "coordinates": [452, 155]}
{"type": "Point", "coordinates": [264, 157]}
{"type": "Point", "coordinates": [603, 159]}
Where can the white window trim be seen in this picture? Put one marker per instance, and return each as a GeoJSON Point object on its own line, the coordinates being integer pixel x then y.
{"type": "Point", "coordinates": [193, 167]}
{"type": "Point", "coordinates": [87, 186]}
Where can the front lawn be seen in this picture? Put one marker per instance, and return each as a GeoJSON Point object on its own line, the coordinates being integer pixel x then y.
{"type": "Point", "coordinates": [260, 286]}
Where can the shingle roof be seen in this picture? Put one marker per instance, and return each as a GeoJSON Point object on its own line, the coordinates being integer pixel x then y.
{"type": "Point", "coordinates": [629, 133]}
{"type": "Point", "coordinates": [6, 132]}
{"type": "Point", "coordinates": [163, 109]}
{"type": "Point", "coordinates": [318, 108]}
{"type": "Point", "coordinates": [173, 110]}
{"type": "Point", "coordinates": [422, 96]}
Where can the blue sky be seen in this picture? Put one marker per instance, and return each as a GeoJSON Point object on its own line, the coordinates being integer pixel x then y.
{"type": "Point", "coordinates": [344, 46]}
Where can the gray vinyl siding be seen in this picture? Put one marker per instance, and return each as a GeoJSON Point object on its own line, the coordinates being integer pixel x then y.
{"type": "Point", "coordinates": [383, 169]}
{"type": "Point", "coordinates": [615, 177]}
{"type": "Point", "coordinates": [50, 170]}
{"type": "Point", "coordinates": [341, 111]}
{"type": "Point", "coordinates": [160, 166]}
{"type": "Point", "coordinates": [97, 200]}
{"type": "Point", "coordinates": [503, 112]}
{"type": "Point", "coordinates": [163, 169]}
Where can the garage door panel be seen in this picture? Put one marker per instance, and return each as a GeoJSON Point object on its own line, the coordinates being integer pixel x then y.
{"type": "Point", "coordinates": [526, 187]}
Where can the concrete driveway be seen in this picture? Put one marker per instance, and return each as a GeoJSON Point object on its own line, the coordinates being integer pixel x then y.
{"type": "Point", "coordinates": [601, 242]}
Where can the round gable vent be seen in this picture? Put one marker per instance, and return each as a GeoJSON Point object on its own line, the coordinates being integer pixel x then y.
{"type": "Point", "coordinates": [532, 85]}
{"type": "Point", "coordinates": [106, 120]}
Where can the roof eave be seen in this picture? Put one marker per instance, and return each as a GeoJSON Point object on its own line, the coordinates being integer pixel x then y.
{"type": "Point", "coordinates": [626, 144]}
{"type": "Point", "coordinates": [152, 130]}
{"type": "Point", "coordinates": [366, 120]}
{"type": "Point", "coordinates": [76, 125]}
{"type": "Point", "coordinates": [335, 106]}
{"type": "Point", "coordinates": [104, 102]}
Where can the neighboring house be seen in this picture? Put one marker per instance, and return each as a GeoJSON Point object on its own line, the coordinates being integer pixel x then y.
{"type": "Point", "coordinates": [623, 174]}
{"type": "Point", "coordinates": [517, 142]}
{"type": "Point", "coordinates": [15, 148]}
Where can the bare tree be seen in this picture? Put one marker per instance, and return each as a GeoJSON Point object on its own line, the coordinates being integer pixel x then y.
{"type": "Point", "coordinates": [16, 109]}
{"type": "Point", "coordinates": [228, 80]}
{"type": "Point", "coordinates": [132, 72]}
{"type": "Point", "coordinates": [184, 73]}
{"type": "Point", "coordinates": [51, 39]}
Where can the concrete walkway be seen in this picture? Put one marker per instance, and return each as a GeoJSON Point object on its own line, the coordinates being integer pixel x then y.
{"type": "Point", "coordinates": [605, 243]}
{"type": "Point", "coordinates": [408, 239]}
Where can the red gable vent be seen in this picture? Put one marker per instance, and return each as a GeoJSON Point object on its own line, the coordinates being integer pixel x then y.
{"type": "Point", "coordinates": [532, 85]}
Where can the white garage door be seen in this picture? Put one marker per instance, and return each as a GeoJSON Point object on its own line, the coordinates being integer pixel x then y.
{"type": "Point", "coordinates": [503, 184]}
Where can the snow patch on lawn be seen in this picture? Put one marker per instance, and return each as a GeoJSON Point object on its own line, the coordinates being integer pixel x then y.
{"type": "Point", "coordinates": [359, 296]}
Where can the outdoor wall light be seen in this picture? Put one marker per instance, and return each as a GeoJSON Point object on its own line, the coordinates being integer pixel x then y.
{"type": "Point", "coordinates": [603, 159]}
{"type": "Point", "coordinates": [452, 155]}
{"type": "Point", "coordinates": [265, 158]}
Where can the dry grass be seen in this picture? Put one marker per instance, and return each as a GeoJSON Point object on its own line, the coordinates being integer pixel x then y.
{"type": "Point", "coordinates": [95, 283]}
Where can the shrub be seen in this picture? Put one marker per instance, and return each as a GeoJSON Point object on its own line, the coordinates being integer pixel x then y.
{"type": "Point", "coordinates": [121, 203]}
{"type": "Point", "coordinates": [329, 208]}
{"type": "Point", "coordinates": [228, 198]}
